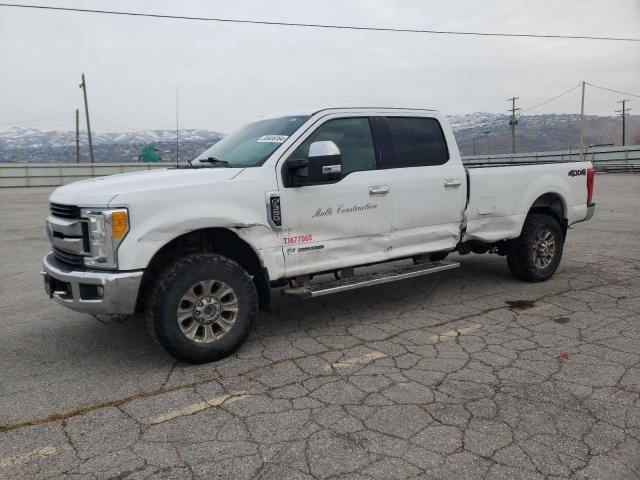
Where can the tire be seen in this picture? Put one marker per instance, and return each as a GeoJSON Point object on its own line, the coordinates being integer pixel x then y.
{"type": "Point", "coordinates": [532, 264]}
{"type": "Point", "coordinates": [437, 256]}
{"type": "Point", "coordinates": [216, 301]}
{"type": "Point", "coordinates": [429, 257]}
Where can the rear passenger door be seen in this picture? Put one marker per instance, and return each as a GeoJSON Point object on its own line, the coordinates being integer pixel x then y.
{"type": "Point", "coordinates": [429, 187]}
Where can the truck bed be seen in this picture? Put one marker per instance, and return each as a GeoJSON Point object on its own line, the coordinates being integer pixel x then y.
{"type": "Point", "coordinates": [500, 195]}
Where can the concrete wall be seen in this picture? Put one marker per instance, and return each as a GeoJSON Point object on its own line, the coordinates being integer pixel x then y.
{"type": "Point", "coordinates": [603, 158]}
{"type": "Point", "coordinates": [54, 174]}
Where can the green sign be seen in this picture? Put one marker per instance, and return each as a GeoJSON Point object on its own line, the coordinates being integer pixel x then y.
{"type": "Point", "coordinates": [150, 154]}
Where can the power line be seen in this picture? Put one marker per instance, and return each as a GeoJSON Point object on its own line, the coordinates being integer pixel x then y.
{"type": "Point", "coordinates": [112, 124]}
{"type": "Point", "coordinates": [52, 118]}
{"type": "Point", "coordinates": [612, 90]}
{"type": "Point", "coordinates": [509, 120]}
{"type": "Point", "coordinates": [321, 25]}
{"type": "Point", "coordinates": [550, 100]}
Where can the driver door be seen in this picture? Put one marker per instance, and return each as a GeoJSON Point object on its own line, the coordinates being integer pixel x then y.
{"type": "Point", "coordinates": [344, 221]}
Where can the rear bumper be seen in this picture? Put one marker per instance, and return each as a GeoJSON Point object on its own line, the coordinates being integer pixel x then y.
{"type": "Point", "coordinates": [591, 209]}
{"type": "Point", "coordinates": [91, 291]}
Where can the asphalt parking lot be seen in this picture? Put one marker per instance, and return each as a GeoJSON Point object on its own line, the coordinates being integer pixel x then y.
{"type": "Point", "coordinates": [464, 374]}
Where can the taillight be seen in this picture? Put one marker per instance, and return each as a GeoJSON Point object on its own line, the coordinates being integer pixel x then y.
{"type": "Point", "coordinates": [591, 175]}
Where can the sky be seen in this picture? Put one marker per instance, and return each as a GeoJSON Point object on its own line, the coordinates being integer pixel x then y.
{"type": "Point", "coordinates": [228, 74]}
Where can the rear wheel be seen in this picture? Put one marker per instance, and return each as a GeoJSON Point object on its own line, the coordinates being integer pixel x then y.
{"type": "Point", "coordinates": [535, 255]}
{"type": "Point", "coordinates": [202, 308]}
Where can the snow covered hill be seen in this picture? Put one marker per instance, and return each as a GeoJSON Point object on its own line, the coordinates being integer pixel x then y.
{"type": "Point", "coordinates": [486, 132]}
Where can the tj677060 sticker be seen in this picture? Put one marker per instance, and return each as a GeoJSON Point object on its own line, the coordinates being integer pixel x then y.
{"type": "Point", "coordinates": [298, 239]}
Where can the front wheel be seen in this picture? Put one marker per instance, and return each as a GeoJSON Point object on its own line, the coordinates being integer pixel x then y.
{"type": "Point", "coordinates": [202, 308]}
{"type": "Point", "coordinates": [535, 255]}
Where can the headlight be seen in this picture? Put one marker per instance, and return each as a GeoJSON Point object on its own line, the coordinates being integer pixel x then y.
{"type": "Point", "coordinates": [107, 229]}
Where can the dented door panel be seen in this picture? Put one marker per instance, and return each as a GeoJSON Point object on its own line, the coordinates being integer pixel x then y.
{"type": "Point", "coordinates": [325, 227]}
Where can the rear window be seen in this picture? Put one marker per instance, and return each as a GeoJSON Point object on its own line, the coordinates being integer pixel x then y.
{"type": "Point", "coordinates": [417, 142]}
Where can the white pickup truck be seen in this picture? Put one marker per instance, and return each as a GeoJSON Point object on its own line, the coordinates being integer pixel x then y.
{"type": "Point", "coordinates": [198, 248]}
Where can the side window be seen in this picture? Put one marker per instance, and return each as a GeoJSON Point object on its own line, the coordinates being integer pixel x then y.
{"type": "Point", "coordinates": [417, 142]}
{"type": "Point", "coordinates": [353, 138]}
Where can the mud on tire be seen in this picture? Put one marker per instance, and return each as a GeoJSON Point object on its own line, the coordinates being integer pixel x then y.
{"type": "Point", "coordinates": [192, 324]}
{"type": "Point", "coordinates": [535, 255]}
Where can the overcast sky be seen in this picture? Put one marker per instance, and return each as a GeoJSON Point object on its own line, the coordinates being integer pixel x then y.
{"type": "Point", "coordinates": [228, 74]}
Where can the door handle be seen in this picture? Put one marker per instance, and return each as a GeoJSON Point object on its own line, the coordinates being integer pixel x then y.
{"type": "Point", "coordinates": [378, 190]}
{"type": "Point", "coordinates": [452, 183]}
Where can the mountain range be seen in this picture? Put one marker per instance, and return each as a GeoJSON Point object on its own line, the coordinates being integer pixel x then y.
{"type": "Point", "coordinates": [36, 146]}
{"type": "Point", "coordinates": [481, 132]}
{"type": "Point", "coordinates": [491, 133]}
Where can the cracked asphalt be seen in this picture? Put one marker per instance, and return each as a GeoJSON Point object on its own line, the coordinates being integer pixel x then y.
{"type": "Point", "coordinates": [467, 374]}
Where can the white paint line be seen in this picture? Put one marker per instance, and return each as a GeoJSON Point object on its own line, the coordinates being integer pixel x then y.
{"type": "Point", "coordinates": [199, 407]}
{"type": "Point", "coordinates": [28, 456]}
{"type": "Point", "coordinates": [451, 334]}
{"type": "Point", "coordinates": [362, 360]}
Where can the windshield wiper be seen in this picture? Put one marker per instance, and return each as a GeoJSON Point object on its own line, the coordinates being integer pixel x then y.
{"type": "Point", "coordinates": [216, 161]}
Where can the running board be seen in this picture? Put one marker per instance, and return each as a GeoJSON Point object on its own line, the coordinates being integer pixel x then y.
{"type": "Point", "coordinates": [366, 280]}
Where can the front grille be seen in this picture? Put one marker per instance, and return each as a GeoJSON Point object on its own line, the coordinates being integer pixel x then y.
{"type": "Point", "coordinates": [69, 234]}
{"type": "Point", "coordinates": [64, 211]}
{"type": "Point", "coordinates": [67, 257]}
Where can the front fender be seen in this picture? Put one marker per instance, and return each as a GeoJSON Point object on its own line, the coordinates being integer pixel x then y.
{"type": "Point", "coordinates": [238, 205]}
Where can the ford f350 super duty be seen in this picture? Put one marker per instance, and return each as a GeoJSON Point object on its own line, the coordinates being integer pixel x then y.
{"type": "Point", "coordinates": [198, 248]}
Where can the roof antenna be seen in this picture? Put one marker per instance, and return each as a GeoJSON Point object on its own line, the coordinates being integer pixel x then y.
{"type": "Point", "coordinates": [177, 133]}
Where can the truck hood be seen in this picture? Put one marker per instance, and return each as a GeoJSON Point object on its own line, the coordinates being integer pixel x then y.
{"type": "Point", "coordinates": [100, 191]}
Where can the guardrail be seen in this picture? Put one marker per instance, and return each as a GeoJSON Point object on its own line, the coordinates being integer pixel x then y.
{"type": "Point", "coordinates": [603, 158]}
{"type": "Point", "coordinates": [55, 174]}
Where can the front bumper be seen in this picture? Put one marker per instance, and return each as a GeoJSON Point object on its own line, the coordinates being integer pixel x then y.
{"type": "Point", "coordinates": [91, 291]}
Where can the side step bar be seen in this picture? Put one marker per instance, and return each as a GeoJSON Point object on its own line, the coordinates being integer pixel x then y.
{"type": "Point", "coordinates": [366, 280]}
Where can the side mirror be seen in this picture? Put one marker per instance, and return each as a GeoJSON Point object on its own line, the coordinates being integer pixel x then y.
{"type": "Point", "coordinates": [323, 164]}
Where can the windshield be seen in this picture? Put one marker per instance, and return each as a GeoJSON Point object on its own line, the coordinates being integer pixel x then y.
{"type": "Point", "coordinates": [252, 144]}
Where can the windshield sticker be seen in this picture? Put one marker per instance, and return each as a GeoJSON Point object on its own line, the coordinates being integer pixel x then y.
{"type": "Point", "coordinates": [273, 138]}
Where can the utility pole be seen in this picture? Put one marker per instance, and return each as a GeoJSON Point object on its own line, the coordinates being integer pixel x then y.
{"type": "Point", "coordinates": [77, 136]}
{"type": "Point", "coordinates": [83, 86]}
{"type": "Point", "coordinates": [513, 122]}
{"type": "Point", "coordinates": [474, 144]}
{"type": "Point", "coordinates": [623, 113]}
{"type": "Point", "coordinates": [582, 124]}
{"type": "Point", "coordinates": [486, 134]}
{"type": "Point", "coordinates": [177, 132]}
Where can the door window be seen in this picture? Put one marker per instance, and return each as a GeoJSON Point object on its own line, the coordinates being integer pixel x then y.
{"type": "Point", "coordinates": [353, 138]}
{"type": "Point", "coordinates": [417, 142]}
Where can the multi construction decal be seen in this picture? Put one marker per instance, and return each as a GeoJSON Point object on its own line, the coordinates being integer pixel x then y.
{"type": "Point", "coordinates": [344, 209]}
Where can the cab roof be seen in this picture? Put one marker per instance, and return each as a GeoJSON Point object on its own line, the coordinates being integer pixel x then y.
{"type": "Point", "coordinates": [390, 109]}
